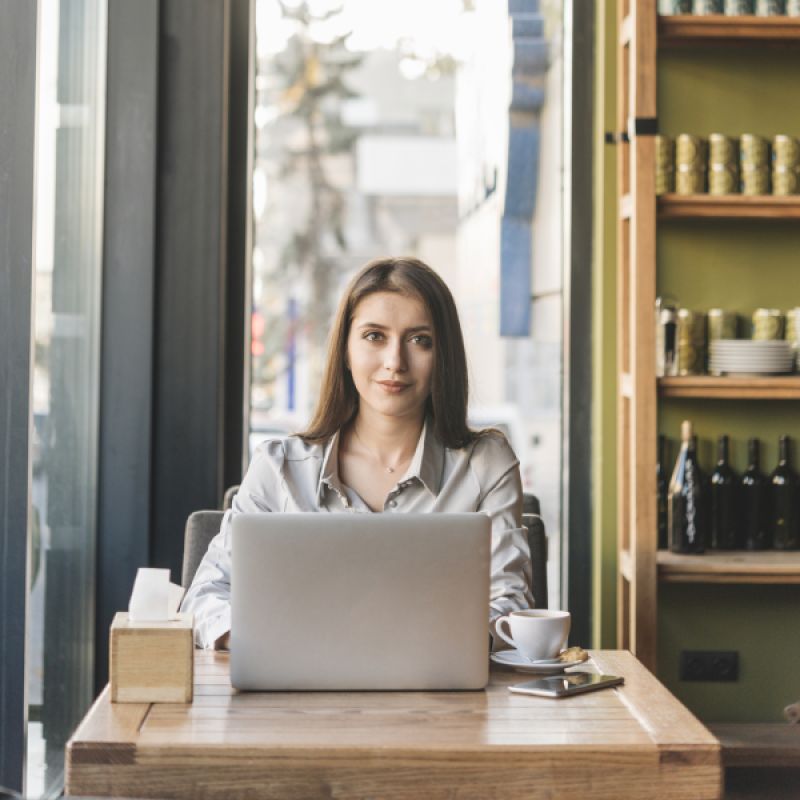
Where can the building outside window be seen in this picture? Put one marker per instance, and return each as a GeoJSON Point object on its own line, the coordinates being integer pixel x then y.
{"type": "Point", "coordinates": [387, 129]}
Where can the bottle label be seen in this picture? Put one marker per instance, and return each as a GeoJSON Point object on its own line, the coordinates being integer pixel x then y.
{"type": "Point", "coordinates": [691, 507]}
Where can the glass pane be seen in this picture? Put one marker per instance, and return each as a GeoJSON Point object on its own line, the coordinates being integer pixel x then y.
{"type": "Point", "coordinates": [383, 128]}
{"type": "Point", "coordinates": [68, 217]}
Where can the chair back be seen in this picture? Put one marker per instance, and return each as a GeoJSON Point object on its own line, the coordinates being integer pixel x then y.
{"type": "Point", "coordinates": [201, 528]}
{"type": "Point", "coordinates": [537, 542]}
{"type": "Point", "coordinates": [227, 498]}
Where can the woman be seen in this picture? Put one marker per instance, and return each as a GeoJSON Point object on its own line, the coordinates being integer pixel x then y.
{"type": "Point", "coordinates": [389, 434]}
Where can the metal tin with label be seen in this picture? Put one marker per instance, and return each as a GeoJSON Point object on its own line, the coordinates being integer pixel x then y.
{"type": "Point", "coordinates": [690, 151]}
{"type": "Point", "coordinates": [666, 329]}
{"type": "Point", "coordinates": [665, 164]}
{"type": "Point", "coordinates": [755, 180]}
{"type": "Point", "coordinates": [705, 7]}
{"type": "Point", "coordinates": [723, 164]}
{"type": "Point", "coordinates": [768, 324]}
{"type": "Point", "coordinates": [785, 180]}
{"type": "Point", "coordinates": [770, 8]}
{"type": "Point", "coordinates": [785, 151]}
{"type": "Point", "coordinates": [690, 181]}
{"type": "Point", "coordinates": [739, 8]}
{"type": "Point", "coordinates": [753, 151]}
{"type": "Point", "coordinates": [691, 338]}
{"type": "Point", "coordinates": [670, 7]}
{"type": "Point", "coordinates": [723, 179]}
{"type": "Point", "coordinates": [721, 324]}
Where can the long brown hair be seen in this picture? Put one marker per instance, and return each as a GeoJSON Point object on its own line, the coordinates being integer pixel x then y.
{"type": "Point", "coordinates": [447, 403]}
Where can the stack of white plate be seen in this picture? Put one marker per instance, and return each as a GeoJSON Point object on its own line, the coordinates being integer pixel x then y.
{"type": "Point", "coordinates": [747, 357]}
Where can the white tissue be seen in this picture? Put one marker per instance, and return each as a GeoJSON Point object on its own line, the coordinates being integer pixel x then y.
{"type": "Point", "coordinates": [154, 598]}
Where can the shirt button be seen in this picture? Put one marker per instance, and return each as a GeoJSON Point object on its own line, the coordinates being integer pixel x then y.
{"type": "Point", "coordinates": [393, 504]}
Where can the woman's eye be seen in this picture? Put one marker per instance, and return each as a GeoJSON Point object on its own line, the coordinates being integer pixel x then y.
{"type": "Point", "coordinates": [372, 336]}
{"type": "Point", "coordinates": [424, 341]}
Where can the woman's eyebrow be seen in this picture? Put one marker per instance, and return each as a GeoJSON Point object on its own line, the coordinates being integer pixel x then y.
{"type": "Point", "coordinates": [415, 329]}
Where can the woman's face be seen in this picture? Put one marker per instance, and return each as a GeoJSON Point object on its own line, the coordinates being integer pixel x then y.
{"type": "Point", "coordinates": [390, 354]}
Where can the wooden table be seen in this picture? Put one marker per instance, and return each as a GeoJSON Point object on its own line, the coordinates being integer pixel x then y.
{"type": "Point", "coordinates": [634, 742]}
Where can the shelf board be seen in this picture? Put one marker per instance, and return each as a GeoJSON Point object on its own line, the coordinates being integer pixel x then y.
{"type": "Point", "coordinates": [758, 744]}
{"type": "Point", "coordinates": [738, 566]}
{"type": "Point", "coordinates": [772, 387]}
{"type": "Point", "coordinates": [731, 206]}
{"type": "Point", "coordinates": [689, 29]}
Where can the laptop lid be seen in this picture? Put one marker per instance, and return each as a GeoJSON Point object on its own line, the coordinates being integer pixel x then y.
{"type": "Point", "coordinates": [360, 601]}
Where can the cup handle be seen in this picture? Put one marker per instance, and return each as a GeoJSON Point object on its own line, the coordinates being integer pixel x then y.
{"type": "Point", "coordinates": [499, 630]}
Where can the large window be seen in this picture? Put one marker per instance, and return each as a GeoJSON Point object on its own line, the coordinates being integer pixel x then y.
{"type": "Point", "coordinates": [387, 128]}
{"type": "Point", "coordinates": [67, 264]}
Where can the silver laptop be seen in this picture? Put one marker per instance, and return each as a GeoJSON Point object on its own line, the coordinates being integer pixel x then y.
{"type": "Point", "coordinates": [360, 601]}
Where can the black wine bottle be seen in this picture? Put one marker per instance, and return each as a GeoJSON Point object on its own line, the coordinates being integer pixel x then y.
{"type": "Point", "coordinates": [723, 502]}
{"type": "Point", "coordinates": [755, 502]}
{"type": "Point", "coordinates": [687, 498]}
{"type": "Point", "coordinates": [784, 499]}
{"type": "Point", "coordinates": [662, 491]}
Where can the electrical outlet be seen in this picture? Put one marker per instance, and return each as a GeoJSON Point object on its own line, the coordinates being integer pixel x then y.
{"type": "Point", "coordinates": [709, 665]}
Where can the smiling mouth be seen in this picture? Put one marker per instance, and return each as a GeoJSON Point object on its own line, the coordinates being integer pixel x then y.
{"type": "Point", "coordinates": [393, 386]}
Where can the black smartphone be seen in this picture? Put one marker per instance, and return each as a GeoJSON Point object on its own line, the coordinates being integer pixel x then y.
{"type": "Point", "coordinates": [568, 684]}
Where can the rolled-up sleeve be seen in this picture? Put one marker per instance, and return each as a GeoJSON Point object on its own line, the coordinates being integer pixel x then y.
{"type": "Point", "coordinates": [209, 596]}
{"type": "Point", "coordinates": [511, 557]}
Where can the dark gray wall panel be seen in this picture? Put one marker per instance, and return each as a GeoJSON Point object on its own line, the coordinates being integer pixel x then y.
{"type": "Point", "coordinates": [190, 278]}
{"type": "Point", "coordinates": [240, 221]}
{"type": "Point", "coordinates": [17, 115]}
{"type": "Point", "coordinates": [579, 317]}
{"type": "Point", "coordinates": [128, 310]}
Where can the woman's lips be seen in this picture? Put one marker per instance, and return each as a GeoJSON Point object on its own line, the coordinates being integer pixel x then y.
{"type": "Point", "coordinates": [393, 387]}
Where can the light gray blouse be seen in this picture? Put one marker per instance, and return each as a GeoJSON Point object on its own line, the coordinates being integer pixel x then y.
{"type": "Point", "coordinates": [286, 474]}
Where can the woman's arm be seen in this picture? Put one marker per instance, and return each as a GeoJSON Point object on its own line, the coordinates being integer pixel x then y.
{"type": "Point", "coordinates": [209, 596]}
{"type": "Point", "coordinates": [498, 472]}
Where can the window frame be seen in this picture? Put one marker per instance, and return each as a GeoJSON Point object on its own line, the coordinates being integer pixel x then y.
{"type": "Point", "coordinates": [18, 50]}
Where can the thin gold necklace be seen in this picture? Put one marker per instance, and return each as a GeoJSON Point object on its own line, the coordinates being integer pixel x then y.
{"type": "Point", "coordinates": [374, 455]}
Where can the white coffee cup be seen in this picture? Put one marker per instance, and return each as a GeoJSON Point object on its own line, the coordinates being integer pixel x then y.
{"type": "Point", "coordinates": [537, 633]}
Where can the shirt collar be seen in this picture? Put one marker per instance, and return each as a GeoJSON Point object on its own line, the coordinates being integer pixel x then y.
{"type": "Point", "coordinates": [329, 473]}
{"type": "Point", "coordinates": [426, 464]}
{"type": "Point", "coordinates": [428, 460]}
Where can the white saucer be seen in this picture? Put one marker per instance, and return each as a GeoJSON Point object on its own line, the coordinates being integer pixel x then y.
{"type": "Point", "coordinates": [547, 666]}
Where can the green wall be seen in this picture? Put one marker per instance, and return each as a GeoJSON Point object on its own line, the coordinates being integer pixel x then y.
{"type": "Point", "coordinates": [738, 266]}
{"type": "Point", "coordinates": [735, 265]}
{"type": "Point", "coordinates": [732, 90]}
{"type": "Point", "coordinates": [604, 355]}
{"type": "Point", "coordinates": [760, 622]}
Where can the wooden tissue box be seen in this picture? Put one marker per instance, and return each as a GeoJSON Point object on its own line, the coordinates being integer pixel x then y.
{"type": "Point", "coordinates": [151, 662]}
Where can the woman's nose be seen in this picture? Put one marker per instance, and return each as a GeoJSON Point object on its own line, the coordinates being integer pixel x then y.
{"type": "Point", "coordinates": [394, 357]}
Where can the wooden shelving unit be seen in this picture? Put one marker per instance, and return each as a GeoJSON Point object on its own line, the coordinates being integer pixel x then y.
{"type": "Point", "coordinates": [641, 567]}
{"type": "Point", "coordinates": [736, 566]}
{"type": "Point", "coordinates": [683, 30]}
{"type": "Point", "coordinates": [636, 291]}
{"type": "Point", "coordinates": [775, 387]}
{"type": "Point", "coordinates": [732, 206]}
{"type": "Point", "coordinates": [758, 744]}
